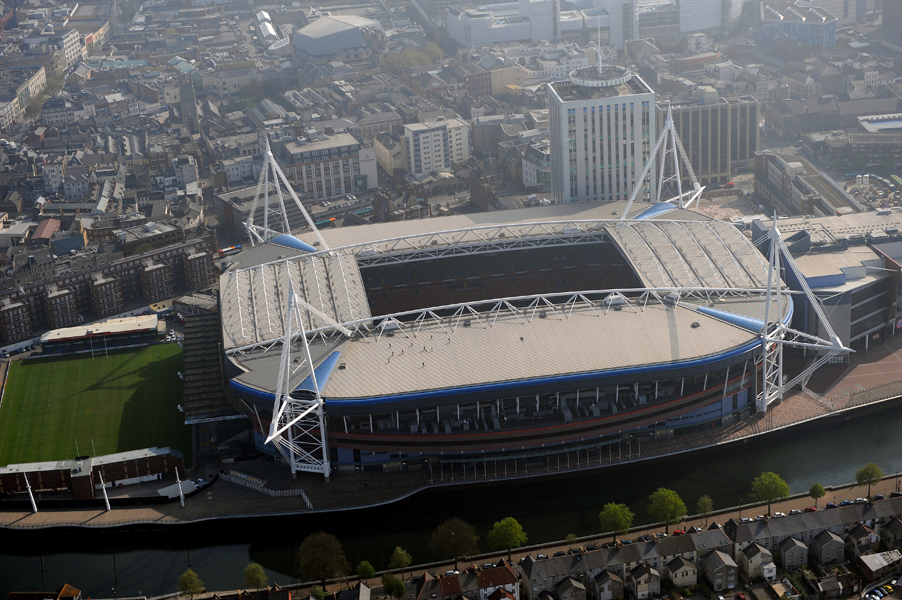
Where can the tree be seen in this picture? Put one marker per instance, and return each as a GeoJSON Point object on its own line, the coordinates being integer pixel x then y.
{"type": "Point", "coordinates": [189, 583]}
{"type": "Point", "coordinates": [859, 161]}
{"type": "Point", "coordinates": [506, 533]}
{"type": "Point", "coordinates": [817, 492]}
{"type": "Point", "coordinates": [365, 571]}
{"type": "Point", "coordinates": [705, 506]}
{"type": "Point", "coordinates": [667, 507]}
{"type": "Point", "coordinates": [837, 163]}
{"type": "Point", "coordinates": [888, 160]}
{"type": "Point", "coordinates": [768, 487]}
{"type": "Point", "coordinates": [255, 577]}
{"type": "Point", "coordinates": [392, 586]}
{"type": "Point", "coordinates": [454, 538]}
{"type": "Point", "coordinates": [868, 475]}
{"type": "Point", "coordinates": [321, 557]}
{"type": "Point", "coordinates": [616, 518]}
{"type": "Point", "coordinates": [318, 592]}
{"type": "Point", "coordinates": [400, 559]}
{"type": "Point", "coordinates": [571, 539]}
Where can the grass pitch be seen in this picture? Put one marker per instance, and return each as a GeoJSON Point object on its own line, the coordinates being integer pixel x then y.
{"type": "Point", "coordinates": [125, 401]}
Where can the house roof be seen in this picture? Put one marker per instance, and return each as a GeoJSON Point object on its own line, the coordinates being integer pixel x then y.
{"type": "Point", "coordinates": [755, 549]}
{"type": "Point", "coordinates": [503, 575]}
{"type": "Point", "coordinates": [643, 569]}
{"type": "Point", "coordinates": [680, 563]}
{"type": "Point", "coordinates": [825, 537]}
{"type": "Point", "coordinates": [791, 543]}
{"type": "Point", "coordinates": [568, 583]}
{"type": "Point", "coordinates": [717, 559]}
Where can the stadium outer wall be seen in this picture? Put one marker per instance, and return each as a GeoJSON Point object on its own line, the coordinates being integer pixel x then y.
{"type": "Point", "coordinates": [692, 396]}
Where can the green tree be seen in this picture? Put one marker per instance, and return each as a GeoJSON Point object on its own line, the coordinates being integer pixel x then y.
{"type": "Point", "coordinates": [817, 492]}
{"type": "Point", "coordinates": [768, 487]}
{"type": "Point", "coordinates": [433, 52]}
{"type": "Point", "coordinates": [859, 161]}
{"type": "Point", "coordinates": [255, 577]}
{"type": "Point", "coordinates": [454, 538]}
{"type": "Point", "coordinates": [571, 539]}
{"type": "Point", "coordinates": [667, 507]}
{"type": "Point", "coordinates": [705, 506]}
{"type": "Point", "coordinates": [392, 586]}
{"type": "Point", "coordinates": [189, 583]}
{"type": "Point", "coordinates": [888, 160]}
{"type": "Point", "coordinates": [365, 570]}
{"type": "Point", "coordinates": [506, 533]}
{"type": "Point", "coordinates": [837, 163]}
{"type": "Point", "coordinates": [616, 518]}
{"type": "Point", "coordinates": [868, 475]}
{"type": "Point", "coordinates": [400, 559]}
{"type": "Point", "coordinates": [321, 557]}
{"type": "Point", "coordinates": [318, 592]}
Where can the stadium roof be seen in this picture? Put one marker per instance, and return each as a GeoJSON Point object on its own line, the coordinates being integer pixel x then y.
{"type": "Point", "coordinates": [678, 250]}
{"type": "Point", "coordinates": [580, 344]}
{"type": "Point", "coordinates": [675, 249]}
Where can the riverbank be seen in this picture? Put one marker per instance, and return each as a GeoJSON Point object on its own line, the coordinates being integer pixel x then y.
{"type": "Point", "coordinates": [869, 383]}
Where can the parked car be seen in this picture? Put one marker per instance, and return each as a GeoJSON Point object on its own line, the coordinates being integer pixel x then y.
{"type": "Point", "coordinates": [831, 505]}
{"type": "Point", "coordinates": [895, 494]}
{"type": "Point", "coordinates": [860, 501]}
{"type": "Point", "coordinates": [760, 518]}
{"type": "Point", "coordinates": [811, 509]}
{"type": "Point", "coordinates": [777, 515]}
{"type": "Point", "coordinates": [540, 556]}
{"type": "Point", "coordinates": [591, 548]}
{"type": "Point", "coordinates": [560, 553]}
{"type": "Point", "coordinates": [488, 565]}
{"type": "Point", "coordinates": [877, 497]}
{"type": "Point", "coordinates": [795, 511]}
{"type": "Point", "coordinates": [846, 503]}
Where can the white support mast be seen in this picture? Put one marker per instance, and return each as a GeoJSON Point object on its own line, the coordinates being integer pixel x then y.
{"type": "Point", "coordinates": [668, 150]}
{"type": "Point", "coordinates": [258, 234]}
{"type": "Point", "coordinates": [178, 480]}
{"type": "Point", "coordinates": [298, 427]}
{"type": "Point", "coordinates": [34, 505]}
{"type": "Point", "coordinates": [106, 499]}
{"type": "Point", "coordinates": [775, 334]}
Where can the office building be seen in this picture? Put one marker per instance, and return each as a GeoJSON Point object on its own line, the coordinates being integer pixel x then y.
{"type": "Point", "coordinates": [717, 134]}
{"type": "Point", "coordinates": [328, 166]}
{"type": "Point", "coordinates": [602, 122]}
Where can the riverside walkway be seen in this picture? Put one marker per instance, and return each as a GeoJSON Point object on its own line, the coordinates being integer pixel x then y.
{"type": "Point", "coordinates": [868, 379]}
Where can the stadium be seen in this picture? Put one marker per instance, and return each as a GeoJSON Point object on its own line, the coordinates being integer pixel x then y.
{"type": "Point", "coordinates": [511, 335]}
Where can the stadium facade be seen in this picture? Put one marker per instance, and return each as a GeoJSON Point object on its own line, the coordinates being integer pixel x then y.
{"type": "Point", "coordinates": [511, 335]}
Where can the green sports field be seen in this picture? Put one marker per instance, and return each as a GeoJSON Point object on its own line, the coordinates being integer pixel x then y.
{"type": "Point", "coordinates": [125, 401]}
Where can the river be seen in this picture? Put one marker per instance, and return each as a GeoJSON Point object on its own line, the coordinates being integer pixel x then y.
{"type": "Point", "coordinates": [148, 562]}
